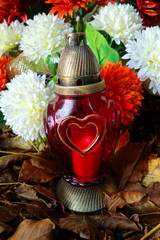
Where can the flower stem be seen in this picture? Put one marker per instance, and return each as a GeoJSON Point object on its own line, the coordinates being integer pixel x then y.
{"type": "Point", "coordinates": [151, 232]}
{"type": "Point", "coordinates": [33, 145]}
{"type": "Point", "coordinates": [21, 153]}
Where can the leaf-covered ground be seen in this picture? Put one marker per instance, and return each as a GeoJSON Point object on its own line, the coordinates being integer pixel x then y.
{"type": "Point", "coordinates": [28, 176]}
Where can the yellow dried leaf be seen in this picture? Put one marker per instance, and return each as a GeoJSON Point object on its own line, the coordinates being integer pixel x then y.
{"type": "Point", "coordinates": [154, 166]}
{"type": "Point", "coordinates": [31, 230]}
{"type": "Point", "coordinates": [153, 174]}
{"type": "Point", "coordinates": [148, 178]}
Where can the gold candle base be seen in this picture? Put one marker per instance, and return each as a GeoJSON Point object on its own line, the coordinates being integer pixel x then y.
{"type": "Point", "coordinates": [89, 199]}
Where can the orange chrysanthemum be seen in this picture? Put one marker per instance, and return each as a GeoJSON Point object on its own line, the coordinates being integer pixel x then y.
{"type": "Point", "coordinates": [3, 73]}
{"type": "Point", "coordinates": [123, 85]}
{"type": "Point", "coordinates": [62, 7]}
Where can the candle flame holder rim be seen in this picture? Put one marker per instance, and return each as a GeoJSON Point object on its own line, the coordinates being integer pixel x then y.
{"type": "Point", "coordinates": [80, 90]}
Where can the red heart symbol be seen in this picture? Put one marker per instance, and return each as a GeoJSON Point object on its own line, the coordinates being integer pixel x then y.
{"type": "Point", "coordinates": [81, 135]}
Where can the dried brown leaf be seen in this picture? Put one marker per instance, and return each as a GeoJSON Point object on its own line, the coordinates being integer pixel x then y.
{"type": "Point", "coordinates": [5, 231]}
{"type": "Point", "coordinates": [112, 202]}
{"type": "Point", "coordinates": [63, 234]}
{"type": "Point", "coordinates": [153, 191]}
{"type": "Point", "coordinates": [135, 236]}
{"type": "Point", "coordinates": [35, 205]}
{"type": "Point", "coordinates": [7, 176]}
{"type": "Point", "coordinates": [96, 219]}
{"type": "Point", "coordinates": [151, 220]}
{"type": "Point", "coordinates": [132, 197]}
{"type": "Point", "coordinates": [28, 192]}
{"type": "Point", "coordinates": [77, 224]}
{"type": "Point", "coordinates": [123, 140]}
{"type": "Point", "coordinates": [124, 162]}
{"type": "Point", "coordinates": [152, 234]}
{"type": "Point", "coordinates": [8, 212]}
{"type": "Point", "coordinates": [5, 227]}
{"type": "Point", "coordinates": [10, 159]}
{"type": "Point", "coordinates": [109, 185]}
{"type": "Point", "coordinates": [45, 164]}
{"type": "Point", "coordinates": [40, 210]}
{"type": "Point", "coordinates": [48, 236]}
{"type": "Point", "coordinates": [155, 236]}
{"type": "Point", "coordinates": [135, 186]}
{"type": "Point", "coordinates": [6, 132]}
{"type": "Point", "coordinates": [16, 142]}
{"type": "Point", "coordinates": [44, 191]}
{"type": "Point", "coordinates": [99, 219]}
{"type": "Point", "coordinates": [117, 222]}
{"type": "Point", "coordinates": [31, 173]}
{"type": "Point", "coordinates": [36, 210]}
{"type": "Point", "coordinates": [2, 229]}
{"type": "Point", "coordinates": [145, 208]}
{"type": "Point", "coordinates": [31, 230]}
{"type": "Point", "coordinates": [121, 199]}
{"type": "Point", "coordinates": [43, 147]}
{"type": "Point", "coordinates": [140, 170]}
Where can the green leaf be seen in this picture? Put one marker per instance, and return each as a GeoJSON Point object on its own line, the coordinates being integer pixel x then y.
{"type": "Point", "coordinates": [131, 2]}
{"type": "Point", "coordinates": [120, 48]}
{"type": "Point", "coordinates": [52, 66]}
{"type": "Point", "coordinates": [2, 121]}
{"type": "Point", "coordinates": [55, 78]}
{"type": "Point", "coordinates": [38, 142]}
{"type": "Point", "coordinates": [106, 36]}
{"type": "Point", "coordinates": [100, 46]}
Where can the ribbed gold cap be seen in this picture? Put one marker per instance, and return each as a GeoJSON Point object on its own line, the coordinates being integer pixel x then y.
{"type": "Point", "coordinates": [78, 68]}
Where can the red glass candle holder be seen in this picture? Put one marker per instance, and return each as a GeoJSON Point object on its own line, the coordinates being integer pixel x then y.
{"type": "Point", "coordinates": [82, 127]}
{"type": "Point", "coordinates": [82, 132]}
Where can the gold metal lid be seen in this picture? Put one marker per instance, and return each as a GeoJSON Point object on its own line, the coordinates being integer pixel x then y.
{"type": "Point", "coordinates": [80, 90]}
{"type": "Point", "coordinates": [78, 70]}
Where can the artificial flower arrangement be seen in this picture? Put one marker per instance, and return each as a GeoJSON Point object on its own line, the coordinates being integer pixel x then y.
{"type": "Point", "coordinates": [115, 31]}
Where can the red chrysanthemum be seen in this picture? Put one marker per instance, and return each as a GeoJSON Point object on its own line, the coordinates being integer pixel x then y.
{"type": "Point", "coordinates": [103, 3]}
{"type": "Point", "coordinates": [11, 10]}
{"type": "Point", "coordinates": [62, 7]}
{"type": "Point", "coordinates": [150, 11]}
{"type": "Point", "coordinates": [3, 73]}
{"type": "Point", "coordinates": [123, 85]}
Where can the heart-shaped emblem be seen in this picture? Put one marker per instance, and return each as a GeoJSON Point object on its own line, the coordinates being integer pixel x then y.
{"type": "Point", "coordinates": [81, 135]}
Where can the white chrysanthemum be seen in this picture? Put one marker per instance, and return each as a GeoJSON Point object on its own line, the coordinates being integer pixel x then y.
{"type": "Point", "coordinates": [10, 36]}
{"type": "Point", "coordinates": [44, 35]}
{"type": "Point", "coordinates": [24, 102]}
{"type": "Point", "coordinates": [144, 55]}
{"type": "Point", "coordinates": [120, 21]}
